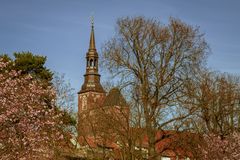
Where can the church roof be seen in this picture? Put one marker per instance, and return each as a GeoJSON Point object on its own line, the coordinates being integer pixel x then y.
{"type": "Point", "coordinates": [115, 98]}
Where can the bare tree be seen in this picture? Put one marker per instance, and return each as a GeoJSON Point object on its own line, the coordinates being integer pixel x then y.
{"type": "Point", "coordinates": [153, 61]}
{"type": "Point", "coordinates": [65, 100]}
{"type": "Point", "coordinates": [65, 93]}
{"type": "Point", "coordinates": [216, 97]}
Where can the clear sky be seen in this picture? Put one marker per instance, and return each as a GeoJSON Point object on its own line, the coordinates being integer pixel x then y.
{"type": "Point", "coordinates": [59, 29]}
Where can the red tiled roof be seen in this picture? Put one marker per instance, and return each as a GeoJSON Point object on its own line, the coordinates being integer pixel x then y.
{"type": "Point", "coordinates": [173, 143]}
{"type": "Point", "coordinates": [95, 142]}
{"type": "Point", "coordinates": [168, 143]}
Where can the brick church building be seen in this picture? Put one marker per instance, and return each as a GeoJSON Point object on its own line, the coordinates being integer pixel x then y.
{"type": "Point", "coordinates": [93, 100]}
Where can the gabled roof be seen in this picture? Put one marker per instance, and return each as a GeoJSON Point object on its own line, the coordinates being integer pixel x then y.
{"type": "Point", "coordinates": [115, 98]}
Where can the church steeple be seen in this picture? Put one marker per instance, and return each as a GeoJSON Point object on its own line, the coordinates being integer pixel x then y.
{"type": "Point", "coordinates": [92, 77]}
{"type": "Point", "coordinates": [92, 38]}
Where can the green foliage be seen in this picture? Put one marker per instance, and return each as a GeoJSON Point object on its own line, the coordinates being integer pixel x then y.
{"type": "Point", "coordinates": [28, 63]}
{"type": "Point", "coordinates": [32, 64]}
{"type": "Point", "coordinates": [5, 57]}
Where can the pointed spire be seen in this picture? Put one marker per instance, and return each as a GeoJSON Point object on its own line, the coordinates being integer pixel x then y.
{"type": "Point", "coordinates": [92, 78]}
{"type": "Point", "coordinates": [92, 38]}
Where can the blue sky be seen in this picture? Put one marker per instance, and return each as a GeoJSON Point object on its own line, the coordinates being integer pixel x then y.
{"type": "Point", "coordinates": [59, 29]}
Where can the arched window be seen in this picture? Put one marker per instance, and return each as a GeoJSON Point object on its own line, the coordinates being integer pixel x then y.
{"type": "Point", "coordinates": [91, 62]}
{"type": "Point", "coordinates": [87, 62]}
{"type": "Point", "coordinates": [95, 62]}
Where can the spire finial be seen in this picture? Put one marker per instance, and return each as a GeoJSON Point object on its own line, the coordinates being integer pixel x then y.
{"type": "Point", "coordinates": [92, 20]}
{"type": "Point", "coordinates": [92, 38]}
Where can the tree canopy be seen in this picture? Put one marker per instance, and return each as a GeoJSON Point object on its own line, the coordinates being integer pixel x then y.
{"type": "Point", "coordinates": [30, 124]}
{"type": "Point", "coordinates": [28, 63]}
{"type": "Point", "coordinates": [33, 123]}
{"type": "Point", "coordinates": [153, 62]}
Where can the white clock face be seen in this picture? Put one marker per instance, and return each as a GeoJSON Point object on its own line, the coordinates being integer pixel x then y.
{"type": "Point", "coordinates": [84, 102]}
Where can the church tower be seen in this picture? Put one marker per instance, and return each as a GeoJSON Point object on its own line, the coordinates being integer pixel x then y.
{"type": "Point", "coordinates": [92, 93]}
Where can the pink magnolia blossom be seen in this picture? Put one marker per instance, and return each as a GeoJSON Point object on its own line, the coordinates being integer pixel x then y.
{"type": "Point", "coordinates": [29, 122]}
{"type": "Point", "coordinates": [218, 148]}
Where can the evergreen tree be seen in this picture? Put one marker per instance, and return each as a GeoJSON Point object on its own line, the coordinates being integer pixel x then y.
{"type": "Point", "coordinates": [28, 63]}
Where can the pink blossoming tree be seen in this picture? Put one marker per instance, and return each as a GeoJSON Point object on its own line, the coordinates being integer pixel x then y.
{"type": "Point", "coordinates": [218, 148]}
{"type": "Point", "coordinates": [30, 124]}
